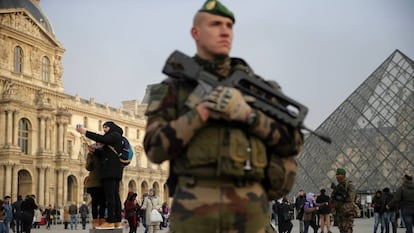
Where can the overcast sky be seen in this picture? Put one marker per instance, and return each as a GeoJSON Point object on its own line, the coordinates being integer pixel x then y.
{"type": "Point", "coordinates": [319, 51]}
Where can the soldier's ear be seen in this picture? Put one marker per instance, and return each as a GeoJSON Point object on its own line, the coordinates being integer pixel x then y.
{"type": "Point", "coordinates": [194, 33]}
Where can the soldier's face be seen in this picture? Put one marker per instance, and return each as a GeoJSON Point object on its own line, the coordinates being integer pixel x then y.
{"type": "Point", "coordinates": [340, 177]}
{"type": "Point", "coordinates": [213, 35]}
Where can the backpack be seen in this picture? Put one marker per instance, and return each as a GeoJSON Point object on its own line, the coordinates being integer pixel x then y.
{"type": "Point", "coordinates": [357, 210]}
{"type": "Point", "coordinates": [127, 153]}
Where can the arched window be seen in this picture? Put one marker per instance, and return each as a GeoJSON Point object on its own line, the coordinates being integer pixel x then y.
{"type": "Point", "coordinates": [23, 137]}
{"type": "Point", "coordinates": [18, 59]}
{"type": "Point", "coordinates": [45, 69]}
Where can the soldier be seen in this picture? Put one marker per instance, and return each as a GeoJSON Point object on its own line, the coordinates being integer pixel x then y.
{"type": "Point", "coordinates": [218, 149]}
{"type": "Point", "coordinates": [343, 196]}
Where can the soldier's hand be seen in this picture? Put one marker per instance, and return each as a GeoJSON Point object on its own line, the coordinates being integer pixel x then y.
{"type": "Point", "coordinates": [227, 103]}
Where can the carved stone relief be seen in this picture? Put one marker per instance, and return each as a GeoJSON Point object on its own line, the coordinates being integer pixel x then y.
{"type": "Point", "coordinates": [4, 51]}
{"type": "Point", "coordinates": [8, 87]}
{"type": "Point", "coordinates": [58, 69]}
{"type": "Point", "coordinates": [21, 22]}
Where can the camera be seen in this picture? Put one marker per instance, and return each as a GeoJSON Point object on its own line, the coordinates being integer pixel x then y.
{"type": "Point", "coordinates": [78, 126]}
{"type": "Point", "coordinates": [96, 146]}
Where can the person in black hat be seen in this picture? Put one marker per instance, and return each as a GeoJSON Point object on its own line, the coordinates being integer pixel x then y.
{"type": "Point", "coordinates": [111, 171]}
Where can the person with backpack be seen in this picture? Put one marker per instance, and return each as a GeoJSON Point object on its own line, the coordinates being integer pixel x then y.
{"type": "Point", "coordinates": [73, 212]}
{"type": "Point", "coordinates": [83, 211]}
{"type": "Point", "coordinates": [111, 170]}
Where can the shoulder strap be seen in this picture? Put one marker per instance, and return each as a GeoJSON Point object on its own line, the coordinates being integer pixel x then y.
{"type": "Point", "coordinates": [113, 149]}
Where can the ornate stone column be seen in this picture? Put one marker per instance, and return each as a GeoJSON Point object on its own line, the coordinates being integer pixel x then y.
{"type": "Point", "coordinates": [8, 179]}
{"type": "Point", "coordinates": [65, 186]}
{"type": "Point", "coordinates": [48, 136]}
{"type": "Point", "coordinates": [59, 186]}
{"type": "Point", "coordinates": [15, 127]}
{"type": "Point", "coordinates": [9, 128]}
{"type": "Point", "coordinates": [60, 138]}
{"type": "Point", "coordinates": [42, 134]}
{"type": "Point", "coordinates": [42, 190]}
{"type": "Point", "coordinates": [15, 178]}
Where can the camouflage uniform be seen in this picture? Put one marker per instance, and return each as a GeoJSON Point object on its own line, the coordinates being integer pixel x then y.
{"type": "Point", "coordinates": [214, 193]}
{"type": "Point", "coordinates": [344, 207]}
{"type": "Point", "coordinates": [222, 171]}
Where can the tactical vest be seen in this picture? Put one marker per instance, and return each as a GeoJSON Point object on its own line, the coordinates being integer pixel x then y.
{"type": "Point", "coordinates": [220, 148]}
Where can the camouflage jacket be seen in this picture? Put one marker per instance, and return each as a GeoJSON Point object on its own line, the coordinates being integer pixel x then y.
{"type": "Point", "coordinates": [173, 129]}
{"type": "Point", "coordinates": [344, 192]}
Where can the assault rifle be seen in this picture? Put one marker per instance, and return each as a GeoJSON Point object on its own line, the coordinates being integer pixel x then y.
{"type": "Point", "coordinates": [284, 109]}
{"type": "Point", "coordinates": [339, 192]}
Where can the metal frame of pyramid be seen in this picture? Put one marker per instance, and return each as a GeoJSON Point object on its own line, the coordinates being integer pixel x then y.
{"type": "Point", "coordinates": [372, 133]}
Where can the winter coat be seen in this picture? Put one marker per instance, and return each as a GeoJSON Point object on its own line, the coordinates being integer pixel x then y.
{"type": "Point", "coordinates": [37, 215]}
{"type": "Point", "coordinates": [66, 215]}
{"type": "Point", "coordinates": [150, 203]}
{"type": "Point", "coordinates": [322, 200]}
{"type": "Point", "coordinates": [94, 166]}
{"type": "Point", "coordinates": [378, 203]}
{"type": "Point", "coordinates": [300, 202]}
{"type": "Point", "coordinates": [404, 196]}
{"type": "Point", "coordinates": [309, 208]}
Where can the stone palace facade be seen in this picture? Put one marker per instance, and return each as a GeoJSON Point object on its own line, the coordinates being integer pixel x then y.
{"type": "Point", "coordinates": [40, 151]}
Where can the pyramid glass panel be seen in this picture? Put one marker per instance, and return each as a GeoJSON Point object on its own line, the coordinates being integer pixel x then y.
{"type": "Point", "coordinates": [372, 134]}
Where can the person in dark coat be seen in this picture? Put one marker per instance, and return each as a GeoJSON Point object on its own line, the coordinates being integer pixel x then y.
{"type": "Point", "coordinates": [49, 216]}
{"type": "Point", "coordinates": [378, 204]}
{"type": "Point", "coordinates": [28, 207]}
{"type": "Point", "coordinates": [111, 172]}
{"type": "Point", "coordinates": [130, 206]}
{"type": "Point", "coordinates": [324, 211]}
{"type": "Point", "coordinates": [404, 198]}
{"type": "Point", "coordinates": [17, 214]}
{"type": "Point", "coordinates": [283, 215]}
{"type": "Point", "coordinates": [299, 204]}
{"type": "Point", "coordinates": [389, 214]}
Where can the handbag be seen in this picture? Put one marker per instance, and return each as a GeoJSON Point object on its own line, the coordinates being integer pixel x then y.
{"type": "Point", "coordinates": [155, 215]}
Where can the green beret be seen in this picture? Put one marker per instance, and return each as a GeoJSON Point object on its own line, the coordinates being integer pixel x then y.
{"type": "Point", "coordinates": [216, 8]}
{"type": "Point", "coordinates": [340, 171]}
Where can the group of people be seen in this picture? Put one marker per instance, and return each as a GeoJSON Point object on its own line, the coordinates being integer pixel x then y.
{"type": "Point", "coordinates": [25, 214]}
{"type": "Point", "coordinates": [315, 211]}
{"type": "Point", "coordinates": [136, 211]}
{"type": "Point", "coordinates": [19, 215]}
{"type": "Point", "coordinates": [388, 206]}
{"type": "Point", "coordinates": [105, 174]}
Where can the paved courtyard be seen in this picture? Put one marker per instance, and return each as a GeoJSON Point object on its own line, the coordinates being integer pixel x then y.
{"type": "Point", "coordinates": [361, 226]}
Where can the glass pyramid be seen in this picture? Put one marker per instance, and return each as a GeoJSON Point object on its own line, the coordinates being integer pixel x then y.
{"type": "Point", "coordinates": [372, 134]}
